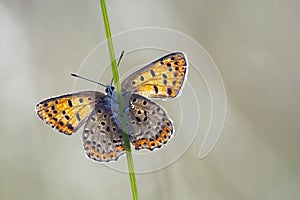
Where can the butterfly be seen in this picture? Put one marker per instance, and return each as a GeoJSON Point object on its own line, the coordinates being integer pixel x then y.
{"type": "Point", "coordinates": [149, 126]}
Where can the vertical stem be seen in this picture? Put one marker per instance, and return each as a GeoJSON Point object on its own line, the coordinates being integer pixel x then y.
{"type": "Point", "coordinates": [120, 100]}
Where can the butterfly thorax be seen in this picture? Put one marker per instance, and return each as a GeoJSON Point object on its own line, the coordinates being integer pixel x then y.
{"type": "Point", "coordinates": [114, 104]}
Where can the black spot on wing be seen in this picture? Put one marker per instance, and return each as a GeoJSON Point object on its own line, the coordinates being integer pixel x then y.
{"type": "Point", "coordinates": [70, 103]}
{"type": "Point", "coordinates": [169, 91]}
{"type": "Point", "coordinates": [155, 89]}
{"type": "Point", "coordinates": [152, 72]}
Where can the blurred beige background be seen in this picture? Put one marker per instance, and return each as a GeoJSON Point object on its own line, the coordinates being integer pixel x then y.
{"type": "Point", "coordinates": [256, 46]}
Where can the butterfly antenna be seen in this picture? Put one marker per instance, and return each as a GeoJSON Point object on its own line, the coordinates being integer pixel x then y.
{"type": "Point", "coordinates": [120, 58]}
{"type": "Point", "coordinates": [77, 76]}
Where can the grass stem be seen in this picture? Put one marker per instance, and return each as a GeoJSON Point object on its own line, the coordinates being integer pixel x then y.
{"type": "Point", "coordinates": [120, 100]}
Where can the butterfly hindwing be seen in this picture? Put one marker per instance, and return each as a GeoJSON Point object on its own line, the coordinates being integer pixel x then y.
{"type": "Point", "coordinates": [162, 78]}
{"type": "Point", "coordinates": [67, 113]}
{"type": "Point", "coordinates": [148, 123]}
{"type": "Point", "coordinates": [102, 138]}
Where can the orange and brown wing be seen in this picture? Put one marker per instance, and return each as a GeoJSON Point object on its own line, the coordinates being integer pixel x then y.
{"type": "Point", "coordinates": [67, 113]}
{"type": "Point", "coordinates": [162, 78]}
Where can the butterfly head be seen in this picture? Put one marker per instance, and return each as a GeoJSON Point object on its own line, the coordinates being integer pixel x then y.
{"type": "Point", "coordinates": [109, 89]}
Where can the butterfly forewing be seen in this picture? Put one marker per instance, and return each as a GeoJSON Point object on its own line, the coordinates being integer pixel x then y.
{"type": "Point", "coordinates": [67, 113]}
{"type": "Point", "coordinates": [102, 138]}
{"type": "Point", "coordinates": [148, 123]}
{"type": "Point", "coordinates": [162, 78]}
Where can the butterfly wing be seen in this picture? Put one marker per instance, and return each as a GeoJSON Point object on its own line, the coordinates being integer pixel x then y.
{"type": "Point", "coordinates": [162, 78]}
{"type": "Point", "coordinates": [148, 123]}
{"type": "Point", "coordinates": [67, 113]}
{"type": "Point", "coordinates": [102, 138]}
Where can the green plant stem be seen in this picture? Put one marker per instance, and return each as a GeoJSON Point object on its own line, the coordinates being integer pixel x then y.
{"type": "Point", "coordinates": [120, 100]}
